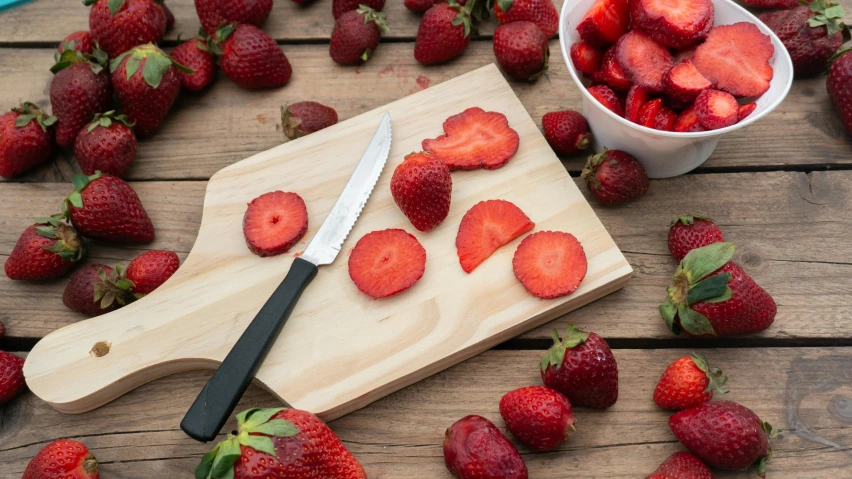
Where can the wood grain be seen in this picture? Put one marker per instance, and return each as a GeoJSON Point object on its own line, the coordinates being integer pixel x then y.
{"type": "Point", "coordinates": [801, 391]}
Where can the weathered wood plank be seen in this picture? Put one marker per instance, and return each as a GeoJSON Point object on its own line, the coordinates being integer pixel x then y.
{"type": "Point", "coordinates": [790, 228]}
{"type": "Point", "coordinates": [802, 391]}
{"type": "Point", "coordinates": [209, 131]}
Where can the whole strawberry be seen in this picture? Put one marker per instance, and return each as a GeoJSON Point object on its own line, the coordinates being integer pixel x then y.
{"type": "Point", "coordinates": [420, 6]}
{"type": "Point", "coordinates": [196, 56]}
{"type": "Point", "coordinates": [682, 465]}
{"type": "Point", "coordinates": [96, 289]}
{"type": "Point", "coordinates": [79, 41]}
{"type": "Point", "coordinates": [422, 187]}
{"type": "Point", "coordinates": [151, 269]}
{"type": "Point", "coordinates": [540, 417]}
{"type": "Point", "coordinates": [250, 57]}
{"type": "Point", "coordinates": [282, 443]}
{"type": "Point", "coordinates": [541, 12]}
{"type": "Point", "coordinates": [521, 50]}
{"type": "Point", "coordinates": [724, 434]}
{"type": "Point", "coordinates": [80, 88]}
{"type": "Point", "coordinates": [146, 82]}
{"type": "Point", "coordinates": [11, 377]}
{"type": "Point", "coordinates": [107, 144]}
{"type": "Point", "coordinates": [216, 13]}
{"type": "Point", "coordinates": [45, 250]}
{"type": "Point", "coordinates": [839, 86]}
{"type": "Point", "coordinates": [104, 207]}
{"type": "Point", "coordinates": [26, 139]}
{"type": "Point", "coordinates": [65, 459]}
{"type": "Point", "coordinates": [356, 35]}
{"type": "Point", "coordinates": [119, 25]}
{"type": "Point", "coordinates": [475, 449]}
{"type": "Point", "coordinates": [306, 117]}
{"type": "Point", "coordinates": [810, 34]}
{"type": "Point", "coordinates": [582, 367]}
{"type": "Point", "coordinates": [443, 34]}
{"type": "Point", "coordinates": [688, 382]}
{"type": "Point", "coordinates": [692, 231]}
{"type": "Point", "coordinates": [566, 131]}
{"type": "Point", "coordinates": [710, 295]}
{"type": "Point", "coordinates": [339, 7]}
{"type": "Point", "coordinates": [615, 177]}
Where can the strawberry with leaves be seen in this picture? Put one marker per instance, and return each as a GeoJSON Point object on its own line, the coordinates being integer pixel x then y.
{"type": "Point", "coordinates": [119, 25]}
{"type": "Point", "coordinates": [106, 208]}
{"type": "Point", "coordinates": [97, 289]}
{"type": "Point", "coordinates": [250, 57]}
{"type": "Point", "coordinates": [107, 144]}
{"type": "Point", "coordinates": [26, 139]}
{"type": "Point", "coordinates": [80, 88]}
{"type": "Point", "coordinates": [46, 250]}
{"type": "Point", "coordinates": [444, 32]}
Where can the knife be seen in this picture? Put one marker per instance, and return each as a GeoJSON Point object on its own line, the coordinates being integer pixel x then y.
{"type": "Point", "coordinates": [220, 395]}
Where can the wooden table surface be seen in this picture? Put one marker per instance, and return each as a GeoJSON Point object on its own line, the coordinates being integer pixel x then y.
{"type": "Point", "coordinates": [780, 189]}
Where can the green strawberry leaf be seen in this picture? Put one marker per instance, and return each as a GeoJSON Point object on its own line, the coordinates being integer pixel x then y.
{"type": "Point", "coordinates": [205, 467]}
{"type": "Point", "coordinates": [257, 417]}
{"type": "Point", "coordinates": [694, 322]}
{"type": "Point", "coordinates": [716, 378]}
{"type": "Point", "coordinates": [23, 120]}
{"type": "Point", "coordinates": [700, 262]}
{"type": "Point", "coordinates": [75, 199]}
{"type": "Point", "coordinates": [505, 5]}
{"type": "Point", "coordinates": [155, 67]}
{"type": "Point", "coordinates": [258, 443]}
{"type": "Point", "coordinates": [668, 311]}
{"type": "Point", "coordinates": [47, 232]}
{"type": "Point", "coordinates": [183, 68]}
{"type": "Point", "coordinates": [132, 66]}
{"type": "Point", "coordinates": [115, 62]}
{"type": "Point", "coordinates": [80, 181]}
{"type": "Point", "coordinates": [834, 11]}
{"type": "Point", "coordinates": [276, 427]}
{"type": "Point", "coordinates": [556, 354]}
{"type": "Point", "coordinates": [229, 453]}
{"type": "Point", "coordinates": [710, 288]}
{"type": "Point", "coordinates": [241, 417]}
{"type": "Point", "coordinates": [115, 6]}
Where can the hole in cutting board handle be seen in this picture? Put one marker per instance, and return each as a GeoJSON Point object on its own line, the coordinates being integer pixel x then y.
{"type": "Point", "coordinates": [100, 349]}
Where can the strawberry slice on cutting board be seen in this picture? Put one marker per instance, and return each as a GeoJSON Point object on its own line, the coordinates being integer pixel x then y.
{"type": "Point", "coordinates": [485, 228]}
{"type": "Point", "coordinates": [475, 138]}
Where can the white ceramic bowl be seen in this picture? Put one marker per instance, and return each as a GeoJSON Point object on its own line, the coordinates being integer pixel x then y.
{"type": "Point", "coordinates": [663, 153]}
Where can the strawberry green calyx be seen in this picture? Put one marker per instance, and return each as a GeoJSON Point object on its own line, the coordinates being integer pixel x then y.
{"type": "Point", "coordinates": [689, 286]}
{"type": "Point", "coordinates": [468, 15]}
{"type": "Point", "coordinates": [97, 60]}
{"type": "Point", "coordinates": [770, 434]}
{"type": "Point", "coordinates": [75, 199]}
{"type": "Point", "coordinates": [28, 112]}
{"type": "Point", "coordinates": [572, 338]}
{"type": "Point", "coordinates": [715, 375]}
{"type": "Point", "coordinates": [68, 244]}
{"type": "Point", "coordinates": [113, 288]}
{"type": "Point", "coordinates": [106, 120]}
{"type": "Point", "coordinates": [157, 63]}
{"type": "Point", "coordinates": [215, 41]}
{"type": "Point", "coordinates": [592, 164]}
{"type": "Point", "coordinates": [378, 18]}
{"type": "Point", "coordinates": [689, 219]}
{"type": "Point", "coordinates": [828, 15]}
{"type": "Point", "coordinates": [254, 429]}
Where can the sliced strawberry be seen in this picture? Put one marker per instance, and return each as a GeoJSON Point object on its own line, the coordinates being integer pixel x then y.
{"type": "Point", "coordinates": [636, 99]}
{"type": "Point", "coordinates": [274, 222]}
{"type": "Point", "coordinates": [649, 111]}
{"type": "Point", "coordinates": [688, 122]}
{"type": "Point", "coordinates": [684, 82]}
{"type": "Point", "coordinates": [475, 139]}
{"type": "Point", "coordinates": [665, 119]}
{"type": "Point", "coordinates": [384, 263]}
{"type": "Point", "coordinates": [611, 72]}
{"type": "Point", "coordinates": [746, 110]}
{"type": "Point", "coordinates": [736, 59]}
{"type": "Point", "coordinates": [586, 59]}
{"type": "Point", "coordinates": [643, 60]}
{"type": "Point", "coordinates": [673, 23]}
{"type": "Point", "coordinates": [607, 98]}
{"type": "Point", "coordinates": [605, 22]}
{"type": "Point", "coordinates": [716, 109]}
{"type": "Point", "coordinates": [550, 264]}
{"type": "Point", "coordinates": [485, 228]}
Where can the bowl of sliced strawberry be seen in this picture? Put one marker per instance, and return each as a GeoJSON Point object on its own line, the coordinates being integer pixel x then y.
{"type": "Point", "coordinates": [665, 79]}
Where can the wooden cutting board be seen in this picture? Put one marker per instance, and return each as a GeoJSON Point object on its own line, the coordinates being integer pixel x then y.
{"type": "Point", "coordinates": [340, 349]}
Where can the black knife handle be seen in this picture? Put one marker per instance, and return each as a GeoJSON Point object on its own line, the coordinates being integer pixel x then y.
{"type": "Point", "coordinates": [223, 391]}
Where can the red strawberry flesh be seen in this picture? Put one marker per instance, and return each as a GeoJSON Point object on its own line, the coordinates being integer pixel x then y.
{"type": "Point", "coordinates": [684, 82]}
{"type": "Point", "coordinates": [486, 227]}
{"type": "Point", "coordinates": [648, 113]}
{"type": "Point", "coordinates": [746, 110]}
{"type": "Point", "coordinates": [274, 222]}
{"type": "Point", "coordinates": [605, 22]}
{"type": "Point", "coordinates": [550, 264]}
{"type": "Point", "coordinates": [687, 122]}
{"type": "Point", "coordinates": [586, 59]}
{"type": "Point", "coordinates": [643, 60]}
{"type": "Point", "coordinates": [716, 109]}
{"type": "Point", "coordinates": [387, 262]}
{"type": "Point", "coordinates": [607, 98]}
{"type": "Point", "coordinates": [735, 58]}
{"type": "Point", "coordinates": [636, 99]}
{"type": "Point", "coordinates": [673, 23]}
{"type": "Point", "coordinates": [474, 139]}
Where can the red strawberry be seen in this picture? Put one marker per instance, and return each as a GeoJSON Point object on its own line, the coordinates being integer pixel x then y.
{"type": "Point", "coordinates": [196, 56]}
{"type": "Point", "coordinates": [724, 434]}
{"type": "Point", "coordinates": [306, 117]}
{"type": "Point", "coordinates": [692, 231]}
{"type": "Point", "coordinates": [735, 58]}
{"type": "Point", "coordinates": [687, 121]}
{"type": "Point", "coordinates": [443, 34]}
{"type": "Point", "coordinates": [540, 417]}
{"type": "Point", "coordinates": [422, 186]}
{"type": "Point", "coordinates": [170, 17]}
{"type": "Point", "coordinates": [119, 25]}
{"type": "Point", "coordinates": [673, 23]}
{"type": "Point", "coordinates": [250, 57]}
{"type": "Point", "coordinates": [486, 227]}
{"type": "Point", "coordinates": [712, 296]}
{"type": "Point", "coordinates": [104, 207]}
{"type": "Point", "coordinates": [688, 382]}
{"type": "Point", "coordinates": [521, 50]}
{"type": "Point", "coordinates": [146, 82]}
{"type": "Point", "coordinates": [611, 72]}
{"type": "Point", "coordinates": [643, 60]}
{"type": "Point", "coordinates": [541, 12]}
{"type": "Point", "coordinates": [339, 7]}
{"type": "Point", "coordinates": [216, 13]}
{"type": "Point", "coordinates": [682, 465]}
{"type": "Point", "coordinates": [684, 82]}
{"type": "Point", "coordinates": [586, 59]}
{"type": "Point", "coordinates": [475, 449]}
{"type": "Point", "coordinates": [615, 177]}
{"type": "Point", "coordinates": [78, 41]}
{"type": "Point", "coordinates": [550, 264]}
{"type": "Point", "coordinates": [356, 35]}
{"type": "Point", "coordinates": [26, 139]}
{"type": "Point", "coordinates": [839, 86]}
{"type": "Point", "coordinates": [64, 459]}
{"type": "Point", "coordinates": [665, 120]}
{"type": "Point", "coordinates": [636, 99]}
{"type": "Point", "coordinates": [11, 377]}
{"type": "Point", "coordinates": [745, 110]}
{"type": "Point", "coordinates": [420, 6]}
{"type": "Point", "coordinates": [274, 222]}
{"type": "Point", "coordinates": [151, 269]}
{"type": "Point", "coordinates": [280, 443]}
{"type": "Point", "coordinates": [649, 111]}
{"type": "Point", "coordinates": [581, 366]}
{"type": "Point", "coordinates": [107, 144]}
{"type": "Point", "coordinates": [716, 109]}
{"type": "Point", "coordinates": [566, 131]}
{"type": "Point", "coordinates": [475, 139]}
{"type": "Point", "coordinates": [96, 289]}
{"type": "Point", "coordinates": [810, 34]}
{"type": "Point", "coordinates": [45, 250]}
{"type": "Point", "coordinates": [387, 262]}
{"type": "Point", "coordinates": [607, 98]}
{"type": "Point", "coordinates": [80, 88]}
{"type": "Point", "coordinates": [605, 22]}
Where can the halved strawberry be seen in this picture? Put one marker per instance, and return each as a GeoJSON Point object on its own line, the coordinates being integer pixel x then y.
{"type": "Point", "coordinates": [605, 22]}
{"type": "Point", "coordinates": [384, 263]}
{"type": "Point", "coordinates": [474, 139]}
{"type": "Point", "coordinates": [687, 121]}
{"type": "Point", "coordinates": [684, 82]}
{"type": "Point", "coordinates": [550, 264]}
{"type": "Point", "coordinates": [716, 109]}
{"type": "Point", "coordinates": [607, 98]}
{"type": "Point", "coordinates": [487, 226]}
{"type": "Point", "coordinates": [746, 110]}
{"type": "Point", "coordinates": [586, 59]}
{"type": "Point", "coordinates": [736, 59]}
{"type": "Point", "coordinates": [636, 99]}
{"type": "Point", "coordinates": [643, 60]}
{"type": "Point", "coordinates": [274, 222]}
{"type": "Point", "coordinates": [673, 23]}
{"type": "Point", "coordinates": [611, 72]}
{"type": "Point", "coordinates": [649, 111]}
{"type": "Point", "coordinates": [665, 119]}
